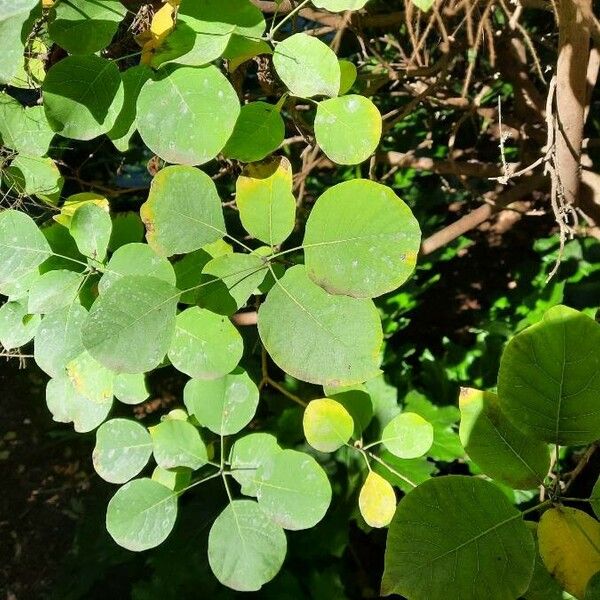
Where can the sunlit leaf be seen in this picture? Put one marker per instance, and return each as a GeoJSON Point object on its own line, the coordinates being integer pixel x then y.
{"type": "Point", "coordinates": [17, 327]}
{"type": "Point", "coordinates": [178, 444]}
{"type": "Point", "coordinates": [35, 176]}
{"type": "Point", "coordinates": [348, 75]}
{"type": "Point", "coordinates": [91, 379]}
{"type": "Point", "coordinates": [327, 425]}
{"type": "Point", "coordinates": [408, 435]}
{"type": "Point", "coordinates": [130, 388]}
{"type": "Point", "coordinates": [377, 501]}
{"type": "Point", "coordinates": [54, 290]}
{"type": "Point", "coordinates": [340, 5]}
{"type": "Point", "coordinates": [90, 228]}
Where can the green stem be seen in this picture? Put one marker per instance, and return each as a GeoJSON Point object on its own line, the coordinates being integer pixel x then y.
{"type": "Point", "coordinates": [391, 470]}
{"type": "Point", "coordinates": [536, 507]}
{"type": "Point", "coordinates": [287, 18]}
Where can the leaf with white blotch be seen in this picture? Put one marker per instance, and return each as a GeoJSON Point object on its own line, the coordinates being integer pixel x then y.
{"type": "Point", "coordinates": [293, 490]}
{"type": "Point", "coordinates": [195, 124]}
{"type": "Point", "coordinates": [454, 536]}
{"type": "Point", "coordinates": [258, 131]}
{"type": "Point", "coordinates": [205, 345]}
{"type": "Point", "coordinates": [91, 379]}
{"type": "Point", "coordinates": [229, 280]}
{"type": "Point", "coordinates": [122, 450]}
{"type": "Point", "coordinates": [327, 424]}
{"type": "Point", "coordinates": [183, 211]}
{"type": "Point", "coordinates": [248, 454]}
{"type": "Point", "coordinates": [348, 128]}
{"type": "Point", "coordinates": [340, 5]}
{"type": "Point", "coordinates": [178, 444]}
{"type": "Point", "coordinates": [307, 66]}
{"type": "Point", "coordinates": [407, 435]}
{"type": "Point", "coordinates": [129, 328]}
{"type": "Point", "coordinates": [69, 406]}
{"type": "Point", "coordinates": [500, 450]}
{"type": "Point", "coordinates": [549, 378]}
{"type": "Point", "coordinates": [336, 339]}
{"type": "Point", "coordinates": [141, 514]}
{"type": "Point", "coordinates": [23, 248]}
{"type": "Point", "coordinates": [569, 542]}
{"type": "Point", "coordinates": [265, 200]}
{"type": "Point", "coordinates": [130, 388]}
{"type": "Point", "coordinates": [225, 405]}
{"type": "Point", "coordinates": [54, 290]}
{"type": "Point", "coordinates": [245, 548]}
{"type": "Point", "coordinates": [136, 259]}
{"type": "Point", "coordinates": [364, 257]}
{"type": "Point", "coordinates": [83, 96]}
{"type": "Point", "coordinates": [90, 228]}
{"type": "Point", "coordinates": [17, 327]}
{"type": "Point", "coordinates": [377, 501]}
{"type": "Point", "coordinates": [58, 339]}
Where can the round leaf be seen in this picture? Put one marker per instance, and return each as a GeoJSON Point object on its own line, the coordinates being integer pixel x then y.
{"type": "Point", "coordinates": [83, 96]}
{"type": "Point", "coordinates": [294, 490]}
{"type": "Point", "coordinates": [377, 501]}
{"type": "Point", "coordinates": [90, 228]}
{"type": "Point", "coordinates": [130, 388]}
{"type": "Point", "coordinates": [90, 378]}
{"type": "Point", "coordinates": [193, 126]}
{"type": "Point", "coordinates": [205, 345]}
{"type": "Point", "coordinates": [54, 290]}
{"type": "Point", "coordinates": [245, 548]}
{"type": "Point", "coordinates": [224, 405]}
{"type": "Point", "coordinates": [362, 257]}
{"type": "Point", "coordinates": [178, 444]}
{"type": "Point", "coordinates": [307, 66]}
{"type": "Point", "coordinates": [35, 176]}
{"type": "Point", "coordinates": [258, 131]}
{"type": "Point", "coordinates": [348, 75]}
{"type": "Point", "coordinates": [122, 450]}
{"type": "Point", "coordinates": [141, 514]}
{"type": "Point", "coordinates": [129, 327]}
{"type": "Point", "coordinates": [348, 128]}
{"type": "Point", "coordinates": [17, 327]}
{"type": "Point", "coordinates": [340, 5]}
{"type": "Point", "coordinates": [549, 378]}
{"type": "Point", "coordinates": [408, 435]}
{"type": "Point", "coordinates": [183, 211]}
{"type": "Point", "coordinates": [327, 425]}
{"type": "Point", "coordinates": [453, 537]}
{"type": "Point", "coordinates": [337, 339]}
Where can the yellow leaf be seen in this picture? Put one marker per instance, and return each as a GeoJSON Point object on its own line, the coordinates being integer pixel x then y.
{"type": "Point", "coordinates": [377, 501]}
{"type": "Point", "coordinates": [47, 3]}
{"type": "Point", "coordinates": [72, 203]}
{"type": "Point", "coordinates": [163, 22]}
{"type": "Point", "coordinates": [327, 424]}
{"type": "Point", "coordinates": [569, 541]}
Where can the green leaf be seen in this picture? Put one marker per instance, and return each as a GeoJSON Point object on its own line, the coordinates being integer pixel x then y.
{"type": "Point", "coordinates": [250, 453]}
{"type": "Point", "coordinates": [23, 248]}
{"type": "Point", "coordinates": [245, 548]}
{"type": "Point", "coordinates": [340, 5]}
{"type": "Point", "coordinates": [258, 131]}
{"type": "Point", "coordinates": [542, 585]}
{"type": "Point", "coordinates": [129, 328]}
{"type": "Point", "coordinates": [408, 472]}
{"type": "Point", "coordinates": [130, 388]}
{"type": "Point", "coordinates": [307, 66]}
{"type": "Point", "coordinates": [195, 124]}
{"type": "Point", "coordinates": [125, 123]}
{"type": "Point", "coordinates": [356, 401]}
{"type": "Point", "coordinates": [84, 26]}
{"type": "Point", "coordinates": [127, 228]}
{"type": "Point", "coordinates": [595, 498]}
{"type": "Point", "coordinates": [83, 96]}
{"type": "Point", "coordinates": [136, 259]}
{"type": "Point", "coordinates": [265, 200]}
{"type": "Point", "coordinates": [377, 501]}
{"type": "Point", "coordinates": [58, 339]}
{"type": "Point", "coordinates": [183, 211]}
{"type": "Point", "coordinates": [348, 75]}
{"type": "Point", "coordinates": [294, 490]}
{"type": "Point", "coordinates": [68, 406]}
{"type": "Point", "coordinates": [141, 514]}
{"type": "Point", "coordinates": [178, 444]}
{"type": "Point", "coordinates": [35, 176]}
{"type": "Point", "coordinates": [500, 450]}
{"type": "Point", "coordinates": [175, 479]}
{"type": "Point", "coordinates": [24, 129]}
{"type": "Point", "coordinates": [225, 405]}
{"type": "Point", "coordinates": [229, 280]}
{"type": "Point", "coordinates": [54, 290]}
{"type": "Point", "coordinates": [90, 228]}
{"type": "Point", "coordinates": [408, 435]}
{"type": "Point", "coordinates": [348, 128]}
{"type": "Point", "coordinates": [424, 5]}
{"type": "Point", "coordinates": [327, 425]}
{"type": "Point", "coordinates": [457, 537]}
{"type": "Point", "coordinates": [122, 450]}
{"type": "Point", "coordinates": [592, 589]}
{"type": "Point", "coordinates": [337, 339]}
{"type": "Point", "coordinates": [241, 49]}
{"type": "Point", "coordinates": [12, 8]}
{"type": "Point", "coordinates": [363, 257]}
{"type": "Point", "coordinates": [17, 327]}
{"type": "Point", "coordinates": [15, 26]}
{"type": "Point", "coordinates": [188, 271]}
{"type": "Point", "coordinates": [90, 378]}
{"type": "Point", "coordinates": [549, 378]}
{"type": "Point", "coordinates": [205, 345]}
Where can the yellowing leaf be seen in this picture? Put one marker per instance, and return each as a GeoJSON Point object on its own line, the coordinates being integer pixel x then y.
{"type": "Point", "coordinates": [377, 501]}
{"type": "Point", "coordinates": [47, 3]}
{"type": "Point", "coordinates": [327, 425]}
{"type": "Point", "coordinates": [569, 541]}
{"type": "Point", "coordinates": [72, 203]}
{"type": "Point", "coordinates": [163, 22]}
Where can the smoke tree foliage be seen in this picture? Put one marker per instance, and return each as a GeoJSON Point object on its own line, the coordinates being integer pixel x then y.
{"type": "Point", "coordinates": [104, 310]}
